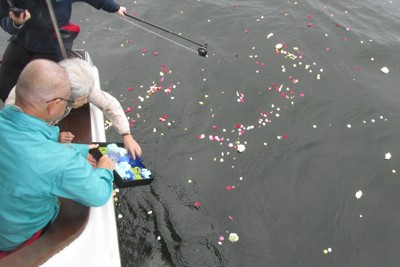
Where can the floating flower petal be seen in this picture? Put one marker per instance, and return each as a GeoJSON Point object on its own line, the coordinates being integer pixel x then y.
{"type": "Point", "coordinates": [385, 70]}
{"type": "Point", "coordinates": [240, 148]}
{"type": "Point", "coordinates": [233, 237]}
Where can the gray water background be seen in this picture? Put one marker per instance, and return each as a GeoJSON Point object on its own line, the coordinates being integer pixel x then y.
{"type": "Point", "coordinates": [294, 186]}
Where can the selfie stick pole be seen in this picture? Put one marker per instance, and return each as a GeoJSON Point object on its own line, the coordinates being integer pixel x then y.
{"type": "Point", "coordinates": [56, 29]}
{"type": "Point", "coordinates": [202, 51]}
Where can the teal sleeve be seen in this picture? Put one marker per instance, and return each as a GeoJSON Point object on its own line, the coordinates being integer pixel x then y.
{"type": "Point", "coordinates": [82, 148]}
{"type": "Point", "coordinates": [81, 183]}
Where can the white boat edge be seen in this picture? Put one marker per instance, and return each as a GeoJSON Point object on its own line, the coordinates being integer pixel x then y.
{"type": "Point", "coordinates": [98, 243]}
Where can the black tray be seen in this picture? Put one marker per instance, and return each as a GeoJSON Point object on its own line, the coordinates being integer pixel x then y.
{"type": "Point", "coordinates": [119, 182]}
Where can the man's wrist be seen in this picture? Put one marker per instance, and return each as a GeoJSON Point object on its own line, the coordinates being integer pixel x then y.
{"type": "Point", "coordinates": [125, 134]}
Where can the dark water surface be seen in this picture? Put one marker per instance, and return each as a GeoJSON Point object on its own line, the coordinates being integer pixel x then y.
{"type": "Point", "coordinates": [309, 147]}
{"type": "Point", "coordinates": [292, 191]}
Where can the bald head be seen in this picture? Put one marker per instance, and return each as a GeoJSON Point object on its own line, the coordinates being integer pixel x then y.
{"type": "Point", "coordinates": [41, 80]}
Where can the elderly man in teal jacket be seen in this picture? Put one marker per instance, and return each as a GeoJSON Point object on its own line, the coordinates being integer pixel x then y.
{"type": "Point", "coordinates": [34, 168]}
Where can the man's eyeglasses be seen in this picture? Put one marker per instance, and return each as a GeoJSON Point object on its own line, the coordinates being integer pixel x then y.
{"type": "Point", "coordinates": [69, 101]}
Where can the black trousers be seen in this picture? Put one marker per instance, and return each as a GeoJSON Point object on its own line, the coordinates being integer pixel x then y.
{"type": "Point", "coordinates": [15, 58]}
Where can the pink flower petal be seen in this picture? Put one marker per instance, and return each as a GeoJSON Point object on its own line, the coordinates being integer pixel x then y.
{"type": "Point", "coordinates": [163, 118]}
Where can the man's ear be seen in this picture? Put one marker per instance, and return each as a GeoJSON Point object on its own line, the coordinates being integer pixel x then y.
{"type": "Point", "coordinates": [51, 106]}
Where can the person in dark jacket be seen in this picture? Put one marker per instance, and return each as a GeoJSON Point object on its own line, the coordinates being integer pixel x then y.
{"type": "Point", "coordinates": [33, 35]}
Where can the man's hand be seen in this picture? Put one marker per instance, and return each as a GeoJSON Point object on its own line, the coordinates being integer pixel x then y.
{"type": "Point", "coordinates": [21, 19]}
{"type": "Point", "coordinates": [121, 11]}
{"type": "Point", "coordinates": [132, 146]}
{"type": "Point", "coordinates": [106, 162]}
{"type": "Point", "coordinates": [92, 161]}
{"type": "Point", "coordinates": [93, 146]}
{"type": "Point", "coordinates": [65, 137]}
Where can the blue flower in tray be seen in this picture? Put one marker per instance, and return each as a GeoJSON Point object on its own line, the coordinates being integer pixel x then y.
{"type": "Point", "coordinates": [126, 167]}
{"type": "Point", "coordinates": [145, 173]}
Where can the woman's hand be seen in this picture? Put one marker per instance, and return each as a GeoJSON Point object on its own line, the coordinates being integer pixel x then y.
{"type": "Point", "coordinates": [21, 19]}
{"type": "Point", "coordinates": [132, 146]}
{"type": "Point", "coordinates": [65, 137]}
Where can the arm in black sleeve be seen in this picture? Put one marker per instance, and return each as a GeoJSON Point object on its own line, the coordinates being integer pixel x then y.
{"type": "Point", "coordinates": [5, 20]}
{"type": "Point", "coordinates": [106, 5]}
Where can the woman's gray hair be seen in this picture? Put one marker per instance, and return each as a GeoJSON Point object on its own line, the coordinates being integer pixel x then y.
{"type": "Point", "coordinates": [81, 76]}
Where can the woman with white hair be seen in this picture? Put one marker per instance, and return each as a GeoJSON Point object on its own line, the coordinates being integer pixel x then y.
{"type": "Point", "coordinates": [83, 90]}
